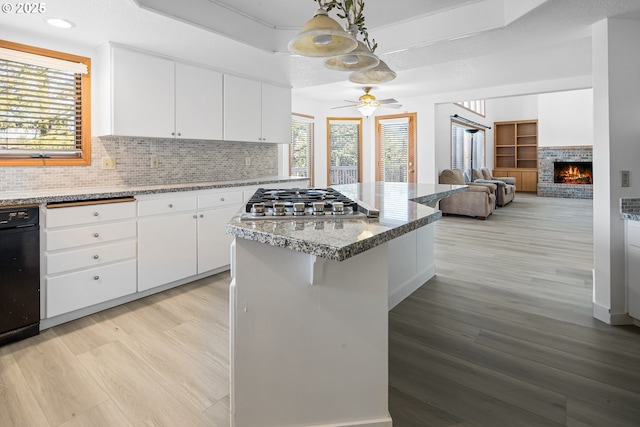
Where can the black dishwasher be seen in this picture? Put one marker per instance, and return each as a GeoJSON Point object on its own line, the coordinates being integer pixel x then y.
{"type": "Point", "coordinates": [19, 273]}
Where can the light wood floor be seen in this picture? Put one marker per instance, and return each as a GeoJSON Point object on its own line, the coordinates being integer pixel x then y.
{"type": "Point", "coordinates": [503, 336]}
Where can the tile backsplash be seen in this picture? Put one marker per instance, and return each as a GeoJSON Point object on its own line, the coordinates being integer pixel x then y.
{"type": "Point", "coordinates": [179, 161]}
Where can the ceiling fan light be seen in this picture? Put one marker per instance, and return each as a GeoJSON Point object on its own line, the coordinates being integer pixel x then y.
{"type": "Point", "coordinates": [367, 110]}
{"type": "Point", "coordinates": [381, 73]}
{"type": "Point", "coordinates": [365, 60]}
{"type": "Point", "coordinates": [322, 36]}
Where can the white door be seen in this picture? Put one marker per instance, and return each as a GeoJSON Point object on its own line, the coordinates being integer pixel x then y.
{"type": "Point", "coordinates": [213, 240]}
{"type": "Point", "coordinates": [198, 103]}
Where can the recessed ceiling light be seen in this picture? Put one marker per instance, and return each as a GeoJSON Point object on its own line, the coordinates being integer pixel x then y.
{"type": "Point", "coordinates": [60, 22]}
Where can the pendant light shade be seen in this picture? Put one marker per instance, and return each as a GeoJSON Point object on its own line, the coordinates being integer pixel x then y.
{"type": "Point", "coordinates": [381, 73]}
{"type": "Point", "coordinates": [359, 59]}
{"type": "Point", "coordinates": [322, 36]}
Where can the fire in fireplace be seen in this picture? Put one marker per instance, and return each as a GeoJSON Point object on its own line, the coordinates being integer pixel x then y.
{"type": "Point", "coordinates": [573, 173]}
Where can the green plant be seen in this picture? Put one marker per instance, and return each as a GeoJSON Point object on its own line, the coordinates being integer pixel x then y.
{"type": "Point", "coordinates": [353, 12]}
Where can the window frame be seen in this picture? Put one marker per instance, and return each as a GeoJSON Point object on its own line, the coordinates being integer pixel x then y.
{"type": "Point", "coordinates": [345, 119]}
{"type": "Point", "coordinates": [310, 120]}
{"type": "Point", "coordinates": [84, 159]}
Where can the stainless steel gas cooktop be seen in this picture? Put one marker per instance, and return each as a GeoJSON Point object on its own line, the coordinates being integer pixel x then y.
{"type": "Point", "coordinates": [304, 203]}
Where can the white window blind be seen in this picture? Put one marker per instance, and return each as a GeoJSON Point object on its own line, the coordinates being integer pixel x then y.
{"type": "Point", "coordinates": [394, 137]}
{"type": "Point", "coordinates": [301, 147]}
{"type": "Point", "coordinates": [40, 107]}
{"type": "Point", "coordinates": [344, 147]}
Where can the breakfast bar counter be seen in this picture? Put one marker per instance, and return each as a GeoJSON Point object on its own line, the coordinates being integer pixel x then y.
{"type": "Point", "coordinates": [308, 306]}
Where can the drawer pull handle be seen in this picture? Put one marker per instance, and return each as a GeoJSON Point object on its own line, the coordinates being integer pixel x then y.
{"type": "Point", "coordinates": [222, 199]}
{"type": "Point", "coordinates": [96, 235]}
{"type": "Point", "coordinates": [96, 277]}
{"type": "Point", "coordinates": [170, 205]}
{"type": "Point", "coordinates": [96, 256]}
{"type": "Point", "coordinates": [201, 216]}
{"type": "Point", "coordinates": [96, 213]}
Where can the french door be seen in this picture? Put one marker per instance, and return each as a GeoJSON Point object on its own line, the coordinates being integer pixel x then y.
{"type": "Point", "coordinates": [395, 148]}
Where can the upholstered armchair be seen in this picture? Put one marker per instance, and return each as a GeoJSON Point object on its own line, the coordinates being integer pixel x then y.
{"type": "Point", "coordinates": [505, 192]}
{"type": "Point", "coordinates": [478, 201]}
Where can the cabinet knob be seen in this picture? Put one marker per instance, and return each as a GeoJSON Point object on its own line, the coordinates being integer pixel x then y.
{"type": "Point", "coordinates": [179, 134]}
{"type": "Point", "coordinates": [173, 134]}
{"type": "Point", "coordinates": [96, 277]}
{"type": "Point", "coordinates": [195, 217]}
{"type": "Point", "coordinates": [201, 216]}
{"type": "Point", "coordinates": [170, 205]}
{"type": "Point", "coordinates": [96, 256]}
{"type": "Point", "coordinates": [96, 235]}
{"type": "Point", "coordinates": [222, 199]}
{"type": "Point", "coordinates": [96, 214]}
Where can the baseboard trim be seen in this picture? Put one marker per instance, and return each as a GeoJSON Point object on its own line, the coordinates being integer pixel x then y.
{"type": "Point", "coordinates": [411, 285]}
{"type": "Point", "coordinates": [377, 422]}
{"type": "Point", "coordinates": [604, 314]}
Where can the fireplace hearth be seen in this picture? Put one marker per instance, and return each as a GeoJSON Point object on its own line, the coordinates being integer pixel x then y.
{"type": "Point", "coordinates": [573, 172]}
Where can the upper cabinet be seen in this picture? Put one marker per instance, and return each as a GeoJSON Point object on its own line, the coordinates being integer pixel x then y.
{"type": "Point", "coordinates": [256, 111]}
{"type": "Point", "coordinates": [156, 97]}
{"type": "Point", "coordinates": [147, 95]}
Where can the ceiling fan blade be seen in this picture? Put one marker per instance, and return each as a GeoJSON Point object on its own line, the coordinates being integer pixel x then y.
{"type": "Point", "coordinates": [387, 101]}
{"type": "Point", "coordinates": [344, 106]}
{"type": "Point", "coordinates": [355, 102]}
{"type": "Point", "coordinates": [391, 106]}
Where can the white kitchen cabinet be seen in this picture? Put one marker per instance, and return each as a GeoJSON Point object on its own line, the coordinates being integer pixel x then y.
{"type": "Point", "coordinates": [183, 235]}
{"type": "Point", "coordinates": [256, 111]}
{"type": "Point", "coordinates": [157, 97]}
{"type": "Point", "coordinates": [198, 103]}
{"type": "Point", "coordinates": [143, 94]}
{"type": "Point", "coordinates": [633, 268]}
{"type": "Point", "coordinates": [166, 249]}
{"type": "Point", "coordinates": [90, 255]}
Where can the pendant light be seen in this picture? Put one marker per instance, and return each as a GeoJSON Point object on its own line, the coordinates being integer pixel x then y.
{"type": "Point", "coordinates": [322, 36]}
{"type": "Point", "coordinates": [381, 73]}
{"type": "Point", "coordinates": [359, 59]}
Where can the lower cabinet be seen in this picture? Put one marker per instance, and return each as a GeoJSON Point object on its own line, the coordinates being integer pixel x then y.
{"type": "Point", "coordinates": [633, 268]}
{"type": "Point", "coordinates": [526, 179]}
{"type": "Point", "coordinates": [90, 255]}
{"type": "Point", "coordinates": [182, 236]}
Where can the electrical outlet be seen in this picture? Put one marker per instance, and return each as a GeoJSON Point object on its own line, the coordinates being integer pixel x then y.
{"type": "Point", "coordinates": [154, 162]}
{"type": "Point", "coordinates": [247, 161]}
{"type": "Point", "coordinates": [624, 179]}
{"type": "Point", "coordinates": [108, 163]}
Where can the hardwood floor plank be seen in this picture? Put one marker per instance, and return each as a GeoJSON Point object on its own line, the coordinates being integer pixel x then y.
{"type": "Point", "coordinates": [18, 405]}
{"type": "Point", "coordinates": [106, 414]}
{"type": "Point", "coordinates": [143, 395]}
{"type": "Point", "coordinates": [61, 386]}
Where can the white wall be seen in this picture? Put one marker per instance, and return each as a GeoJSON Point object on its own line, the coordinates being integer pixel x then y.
{"type": "Point", "coordinates": [513, 108]}
{"type": "Point", "coordinates": [565, 118]}
{"type": "Point", "coordinates": [616, 85]}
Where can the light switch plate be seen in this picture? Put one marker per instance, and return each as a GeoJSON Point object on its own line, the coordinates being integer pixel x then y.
{"type": "Point", "coordinates": [624, 179]}
{"type": "Point", "coordinates": [154, 162]}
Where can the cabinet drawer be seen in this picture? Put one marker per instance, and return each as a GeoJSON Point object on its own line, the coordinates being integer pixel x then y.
{"type": "Point", "coordinates": [633, 233]}
{"type": "Point", "coordinates": [166, 205]}
{"type": "Point", "coordinates": [79, 215]}
{"type": "Point", "coordinates": [215, 200]}
{"type": "Point", "coordinates": [99, 233]}
{"type": "Point", "coordinates": [90, 256]}
{"type": "Point", "coordinates": [85, 288]}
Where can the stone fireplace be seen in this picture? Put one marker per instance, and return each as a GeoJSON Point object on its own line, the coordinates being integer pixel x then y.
{"type": "Point", "coordinates": [565, 172]}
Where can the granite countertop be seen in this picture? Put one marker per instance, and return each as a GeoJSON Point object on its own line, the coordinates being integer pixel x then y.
{"type": "Point", "coordinates": [402, 210]}
{"type": "Point", "coordinates": [8, 198]}
{"type": "Point", "coordinates": [630, 208]}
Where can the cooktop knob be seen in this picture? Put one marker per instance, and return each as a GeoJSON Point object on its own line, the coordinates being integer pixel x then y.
{"type": "Point", "coordinates": [318, 208]}
{"type": "Point", "coordinates": [257, 209]}
{"type": "Point", "coordinates": [337, 208]}
{"type": "Point", "coordinates": [278, 209]}
{"type": "Point", "coordinates": [298, 208]}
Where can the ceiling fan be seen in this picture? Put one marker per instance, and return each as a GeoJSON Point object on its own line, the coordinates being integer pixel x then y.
{"type": "Point", "coordinates": [367, 103]}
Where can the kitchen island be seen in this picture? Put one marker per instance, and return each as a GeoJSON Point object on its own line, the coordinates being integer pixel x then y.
{"type": "Point", "coordinates": [308, 307]}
